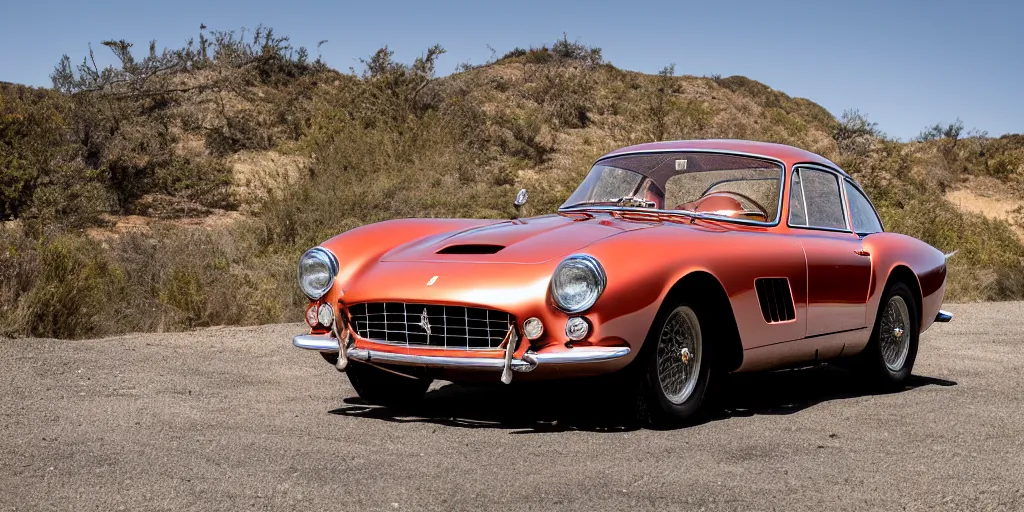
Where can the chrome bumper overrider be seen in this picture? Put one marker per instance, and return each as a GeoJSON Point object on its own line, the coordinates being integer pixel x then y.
{"type": "Point", "coordinates": [530, 360]}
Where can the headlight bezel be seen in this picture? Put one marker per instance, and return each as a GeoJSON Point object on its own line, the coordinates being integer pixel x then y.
{"type": "Point", "coordinates": [329, 260]}
{"type": "Point", "coordinates": [587, 263]}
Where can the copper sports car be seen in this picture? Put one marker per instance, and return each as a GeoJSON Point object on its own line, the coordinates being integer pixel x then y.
{"type": "Point", "coordinates": [672, 263]}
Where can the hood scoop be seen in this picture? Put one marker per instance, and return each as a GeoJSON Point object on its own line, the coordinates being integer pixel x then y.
{"type": "Point", "coordinates": [471, 249]}
{"type": "Point", "coordinates": [533, 240]}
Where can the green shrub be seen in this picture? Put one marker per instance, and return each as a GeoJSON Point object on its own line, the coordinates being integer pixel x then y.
{"type": "Point", "coordinates": [514, 53]}
{"type": "Point", "coordinates": [521, 135]}
{"type": "Point", "coordinates": [71, 292]}
{"type": "Point", "coordinates": [853, 133]}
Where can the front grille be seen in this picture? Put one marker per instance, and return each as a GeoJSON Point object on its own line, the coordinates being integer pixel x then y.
{"type": "Point", "coordinates": [454, 327]}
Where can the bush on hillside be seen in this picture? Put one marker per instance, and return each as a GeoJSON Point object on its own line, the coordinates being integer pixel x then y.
{"type": "Point", "coordinates": [561, 51]}
{"type": "Point", "coordinates": [853, 133]}
{"type": "Point", "coordinates": [44, 178]}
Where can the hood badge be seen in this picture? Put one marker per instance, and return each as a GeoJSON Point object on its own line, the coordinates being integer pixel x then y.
{"type": "Point", "coordinates": [425, 321]}
{"type": "Point", "coordinates": [432, 281]}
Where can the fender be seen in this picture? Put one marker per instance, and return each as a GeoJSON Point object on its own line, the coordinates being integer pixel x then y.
{"type": "Point", "coordinates": [928, 265]}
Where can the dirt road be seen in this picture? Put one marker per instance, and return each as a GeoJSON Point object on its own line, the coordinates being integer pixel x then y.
{"type": "Point", "coordinates": [236, 418]}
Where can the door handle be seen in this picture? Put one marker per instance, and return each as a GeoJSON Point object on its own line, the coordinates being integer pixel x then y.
{"type": "Point", "coordinates": [862, 252]}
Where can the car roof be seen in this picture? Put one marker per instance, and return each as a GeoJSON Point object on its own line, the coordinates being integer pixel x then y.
{"type": "Point", "coordinates": [788, 154]}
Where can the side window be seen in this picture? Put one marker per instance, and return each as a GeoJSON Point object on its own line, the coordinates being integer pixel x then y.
{"type": "Point", "coordinates": [820, 202]}
{"type": "Point", "coordinates": [797, 213]}
{"type": "Point", "coordinates": [865, 220]}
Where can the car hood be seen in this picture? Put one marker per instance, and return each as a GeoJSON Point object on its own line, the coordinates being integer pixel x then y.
{"type": "Point", "coordinates": [533, 240]}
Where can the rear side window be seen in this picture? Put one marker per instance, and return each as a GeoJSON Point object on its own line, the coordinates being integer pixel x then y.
{"type": "Point", "coordinates": [797, 212]}
{"type": "Point", "coordinates": [865, 220]}
{"type": "Point", "coordinates": [815, 200]}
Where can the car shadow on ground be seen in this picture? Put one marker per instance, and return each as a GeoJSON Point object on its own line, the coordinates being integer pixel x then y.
{"type": "Point", "coordinates": [596, 405]}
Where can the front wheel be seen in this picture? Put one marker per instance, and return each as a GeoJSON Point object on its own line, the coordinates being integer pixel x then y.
{"type": "Point", "coordinates": [381, 387]}
{"type": "Point", "coordinates": [889, 356]}
{"type": "Point", "coordinates": [677, 369]}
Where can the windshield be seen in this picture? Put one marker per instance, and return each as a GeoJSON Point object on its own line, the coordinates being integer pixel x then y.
{"type": "Point", "coordinates": [721, 185]}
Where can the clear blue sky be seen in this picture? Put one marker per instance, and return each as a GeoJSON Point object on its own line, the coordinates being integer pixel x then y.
{"type": "Point", "coordinates": [905, 64]}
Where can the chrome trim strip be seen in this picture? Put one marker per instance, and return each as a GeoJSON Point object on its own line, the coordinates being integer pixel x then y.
{"type": "Point", "coordinates": [469, 363]}
{"type": "Point", "coordinates": [320, 342]}
{"type": "Point", "coordinates": [529, 362]}
{"type": "Point", "coordinates": [943, 316]}
{"type": "Point", "coordinates": [782, 186]}
{"type": "Point", "coordinates": [581, 355]}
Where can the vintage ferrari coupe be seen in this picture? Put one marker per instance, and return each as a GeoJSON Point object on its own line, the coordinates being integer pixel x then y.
{"type": "Point", "coordinates": [672, 263]}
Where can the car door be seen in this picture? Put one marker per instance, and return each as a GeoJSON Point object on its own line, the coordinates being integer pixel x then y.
{"type": "Point", "coordinates": [838, 267]}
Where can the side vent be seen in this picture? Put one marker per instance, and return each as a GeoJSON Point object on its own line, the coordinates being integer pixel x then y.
{"type": "Point", "coordinates": [776, 299]}
{"type": "Point", "coordinates": [471, 249]}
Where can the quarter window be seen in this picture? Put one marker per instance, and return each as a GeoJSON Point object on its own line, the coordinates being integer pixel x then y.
{"type": "Point", "coordinates": [815, 200]}
{"type": "Point", "coordinates": [865, 220]}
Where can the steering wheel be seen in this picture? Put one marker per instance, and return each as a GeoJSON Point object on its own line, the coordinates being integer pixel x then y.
{"type": "Point", "coordinates": [733, 197]}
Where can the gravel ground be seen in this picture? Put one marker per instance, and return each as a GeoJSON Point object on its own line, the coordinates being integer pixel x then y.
{"type": "Point", "coordinates": [235, 418]}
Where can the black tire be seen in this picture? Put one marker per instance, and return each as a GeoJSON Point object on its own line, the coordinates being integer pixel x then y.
{"type": "Point", "coordinates": [655, 404]}
{"type": "Point", "coordinates": [888, 359]}
{"type": "Point", "coordinates": [380, 387]}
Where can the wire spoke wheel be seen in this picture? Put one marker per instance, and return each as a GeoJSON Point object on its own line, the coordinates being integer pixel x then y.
{"type": "Point", "coordinates": [894, 333]}
{"type": "Point", "coordinates": [679, 355]}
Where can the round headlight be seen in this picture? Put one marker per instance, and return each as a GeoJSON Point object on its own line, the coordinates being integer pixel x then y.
{"type": "Point", "coordinates": [577, 283]}
{"type": "Point", "coordinates": [317, 268]}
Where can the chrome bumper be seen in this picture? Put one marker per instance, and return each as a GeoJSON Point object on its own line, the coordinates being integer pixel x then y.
{"type": "Point", "coordinates": [318, 342]}
{"type": "Point", "coordinates": [530, 360]}
{"type": "Point", "coordinates": [943, 316]}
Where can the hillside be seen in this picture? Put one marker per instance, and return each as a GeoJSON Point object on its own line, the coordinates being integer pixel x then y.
{"type": "Point", "coordinates": [186, 182]}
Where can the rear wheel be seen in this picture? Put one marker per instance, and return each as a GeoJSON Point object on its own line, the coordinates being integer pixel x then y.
{"type": "Point", "coordinates": [889, 356]}
{"type": "Point", "coordinates": [676, 372]}
{"type": "Point", "coordinates": [381, 387]}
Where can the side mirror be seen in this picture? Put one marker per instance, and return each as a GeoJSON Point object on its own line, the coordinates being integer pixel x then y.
{"type": "Point", "coordinates": [520, 200]}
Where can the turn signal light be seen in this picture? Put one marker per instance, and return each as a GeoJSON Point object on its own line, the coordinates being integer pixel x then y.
{"type": "Point", "coordinates": [311, 314]}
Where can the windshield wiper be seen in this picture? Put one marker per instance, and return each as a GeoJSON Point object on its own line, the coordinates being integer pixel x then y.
{"type": "Point", "coordinates": [689, 214]}
{"type": "Point", "coordinates": [627, 201]}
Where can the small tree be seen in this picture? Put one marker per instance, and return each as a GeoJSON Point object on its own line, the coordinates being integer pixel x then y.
{"type": "Point", "coordinates": [853, 133]}
{"type": "Point", "coordinates": [269, 55]}
{"type": "Point", "coordinates": [397, 86]}
{"type": "Point", "coordinates": [660, 104]}
{"type": "Point", "coordinates": [948, 135]}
